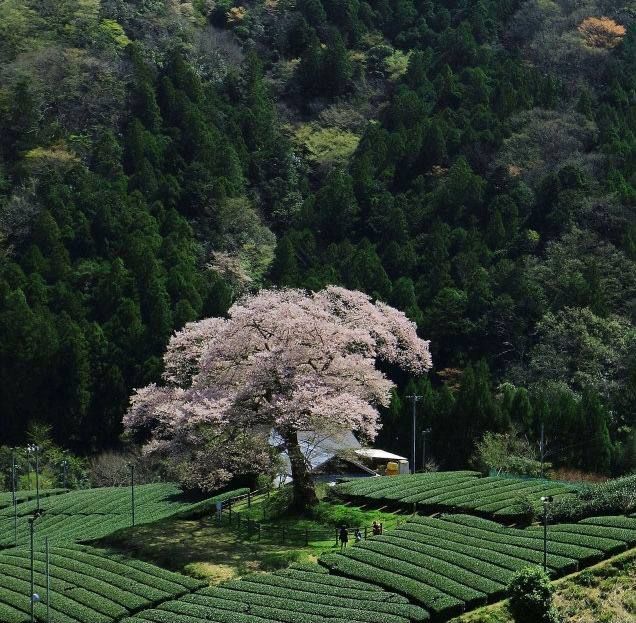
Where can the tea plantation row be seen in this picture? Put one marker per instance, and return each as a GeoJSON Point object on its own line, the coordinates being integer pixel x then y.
{"type": "Point", "coordinates": [459, 562]}
{"type": "Point", "coordinates": [494, 496]}
{"type": "Point", "coordinates": [301, 594]}
{"type": "Point", "coordinates": [87, 585]}
{"type": "Point", "coordinates": [6, 497]}
{"type": "Point", "coordinates": [93, 513]}
{"type": "Point", "coordinates": [427, 568]}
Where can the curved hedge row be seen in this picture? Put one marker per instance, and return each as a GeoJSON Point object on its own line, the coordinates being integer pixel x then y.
{"type": "Point", "coordinates": [457, 562]}
{"type": "Point", "coordinates": [94, 513]}
{"type": "Point", "coordinates": [6, 497]}
{"type": "Point", "coordinates": [443, 491]}
{"type": "Point", "coordinates": [297, 595]}
{"type": "Point", "coordinates": [86, 585]}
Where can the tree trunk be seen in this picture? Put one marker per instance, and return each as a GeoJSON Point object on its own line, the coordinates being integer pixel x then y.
{"type": "Point", "coordinates": [303, 483]}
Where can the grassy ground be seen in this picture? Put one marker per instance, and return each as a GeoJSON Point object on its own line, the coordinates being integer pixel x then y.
{"type": "Point", "coordinates": [207, 550]}
{"type": "Point", "coordinates": [605, 593]}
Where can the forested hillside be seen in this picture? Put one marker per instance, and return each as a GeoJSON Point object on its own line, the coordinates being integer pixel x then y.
{"type": "Point", "coordinates": [472, 163]}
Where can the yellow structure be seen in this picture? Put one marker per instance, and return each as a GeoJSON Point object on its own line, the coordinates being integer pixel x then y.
{"type": "Point", "coordinates": [392, 468]}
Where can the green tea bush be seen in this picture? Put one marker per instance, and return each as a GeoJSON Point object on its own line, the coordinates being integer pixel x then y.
{"type": "Point", "coordinates": [280, 560]}
{"type": "Point", "coordinates": [338, 515]}
{"type": "Point", "coordinates": [531, 597]}
{"type": "Point", "coordinates": [613, 497]}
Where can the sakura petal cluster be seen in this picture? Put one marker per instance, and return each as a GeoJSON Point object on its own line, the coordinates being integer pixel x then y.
{"type": "Point", "coordinates": [285, 360]}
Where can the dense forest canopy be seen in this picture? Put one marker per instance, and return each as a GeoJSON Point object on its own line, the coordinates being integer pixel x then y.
{"type": "Point", "coordinates": [472, 163]}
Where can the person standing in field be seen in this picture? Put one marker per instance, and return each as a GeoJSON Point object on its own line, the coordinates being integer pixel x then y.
{"type": "Point", "coordinates": [344, 537]}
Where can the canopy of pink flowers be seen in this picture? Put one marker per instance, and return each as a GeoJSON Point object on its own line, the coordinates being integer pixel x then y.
{"type": "Point", "coordinates": [283, 359]}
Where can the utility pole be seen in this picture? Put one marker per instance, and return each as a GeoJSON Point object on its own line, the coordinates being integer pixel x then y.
{"type": "Point", "coordinates": [35, 449]}
{"type": "Point", "coordinates": [546, 503]}
{"type": "Point", "coordinates": [414, 399]}
{"type": "Point", "coordinates": [64, 471]}
{"type": "Point", "coordinates": [14, 497]}
{"type": "Point", "coordinates": [132, 491]}
{"type": "Point", "coordinates": [542, 450]}
{"type": "Point", "coordinates": [424, 433]}
{"type": "Point", "coordinates": [34, 596]}
{"type": "Point", "coordinates": [48, 581]}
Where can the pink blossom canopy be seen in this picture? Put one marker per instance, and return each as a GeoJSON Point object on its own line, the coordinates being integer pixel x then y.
{"type": "Point", "coordinates": [283, 359]}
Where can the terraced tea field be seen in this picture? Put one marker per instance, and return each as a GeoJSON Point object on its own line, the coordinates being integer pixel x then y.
{"type": "Point", "coordinates": [301, 594]}
{"type": "Point", "coordinates": [93, 513]}
{"type": "Point", "coordinates": [6, 498]}
{"type": "Point", "coordinates": [458, 562]}
{"type": "Point", "coordinates": [495, 496]}
{"type": "Point", "coordinates": [427, 568]}
{"type": "Point", "coordinates": [88, 586]}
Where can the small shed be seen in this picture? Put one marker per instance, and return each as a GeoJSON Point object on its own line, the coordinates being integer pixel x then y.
{"type": "Point", "coordinates": [377, 459]}
{"type": "Point", "coordinates": [337, 455]}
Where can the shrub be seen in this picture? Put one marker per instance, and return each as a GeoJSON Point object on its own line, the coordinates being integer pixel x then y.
{"type": "Point", "coordinates": [525, 508]}
{"type": "Point", "coordinates": [614, 497]}
{"type": "Point", "coordinates": [278, 503]}
{"type": "Point", "coordinates": [531, 597]}
{"type": "Point", "coordinates": [281, 560]}
{"type": "Point", "coordinates": [338, 515]}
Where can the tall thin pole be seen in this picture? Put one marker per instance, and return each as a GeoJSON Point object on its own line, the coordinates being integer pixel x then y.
{"type": "Point", "coordinates": [545, 537]}
{"type": "Point", "coordinates": [48, 581]}
{"type": "Point", "coordinates": [37, 476]}
{"type": "Point", "coordinates": [28, 454]}
{"type": "Point", "coordinates": [31, 522]}
{"type": "Point", "coordinates": [542, 449]}
{"type": "Point", "coordinates": [424, 433]}
{"type": "Point", "coordinates": [547, 500]}
{"type": "Point", "coordinates": [132, 492]}
{"type": "Point", "coordinates": [14, 497]}
{"type": "Point", "coordinates": [414, 398]}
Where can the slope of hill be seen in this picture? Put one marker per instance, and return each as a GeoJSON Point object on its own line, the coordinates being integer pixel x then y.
{"type": "Point", "coordinates": [469, 162]}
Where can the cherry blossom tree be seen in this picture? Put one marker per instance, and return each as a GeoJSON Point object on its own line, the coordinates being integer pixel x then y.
{"type": "Point", "coordinates": [283, 361]}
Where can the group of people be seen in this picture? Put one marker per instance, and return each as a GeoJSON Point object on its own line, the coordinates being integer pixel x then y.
{"type": "Point", "coordinates": [343, 534]}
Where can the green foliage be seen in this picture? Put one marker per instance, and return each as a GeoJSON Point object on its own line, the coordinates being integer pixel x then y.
{"type": "Point", "coordinates": [531, 597]}
{"type": "Point", "coordinates": [458, 561]}
{"type": "Point", "coordinates": [339, 515]}
{"type": "Point", "coordinates": [281, 560]}
{"type": "Point", "coordinates": [609, 498]}
{"type": "Point", "coordinates": [98, 587]}
{"type": "Point", "coordinates": [449, 491]}
{"type": "Point", "coordinates": [94, 513]}
{"type": "Point", "coordinates": [327, 146]}
{"type": "Point", "coordinates": [504, 453]}
{"type": "Point", "coordinates": [460, 177]}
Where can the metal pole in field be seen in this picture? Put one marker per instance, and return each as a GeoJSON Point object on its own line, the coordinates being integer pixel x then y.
{"type": "Point", "coordinates": [546, 502]}
{"type": "Point", "coordinates": [64, 468]}
{"type": "Point", "coordinates": [542, 450]}
{"type": "Point", "coordinates": [132, 491]}
{"type": "Point", "coordinates": [37, 476]}
{"type": "Point", "coordinates": [28, 455]}
{"type": "Point", "coordinates": [424, 433]}
{"type": "Point", "coordinates": [413, 398]}
{"type": "Point", "coordinates": [14, 498]}
{"type": "Point", "coordinates": [31, 522]}
{"type": "Point", "coordinates": [48, 581]}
